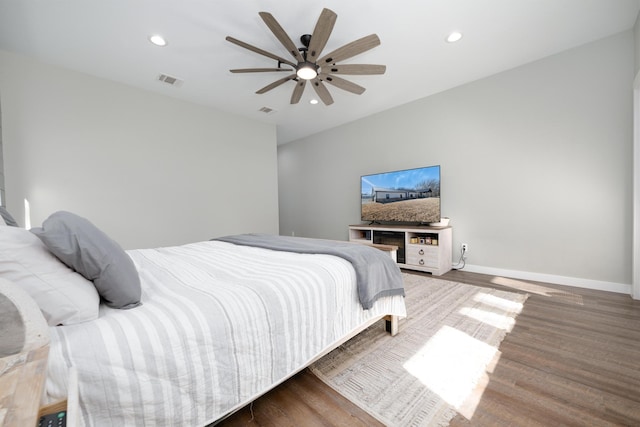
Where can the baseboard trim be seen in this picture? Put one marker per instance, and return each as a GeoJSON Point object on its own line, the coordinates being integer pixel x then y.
{"type": "Point", "coordinates": [599, 285]}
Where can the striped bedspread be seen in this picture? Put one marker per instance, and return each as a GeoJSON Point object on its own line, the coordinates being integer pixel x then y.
{"type": "Point", "coordinates": [220, 325]}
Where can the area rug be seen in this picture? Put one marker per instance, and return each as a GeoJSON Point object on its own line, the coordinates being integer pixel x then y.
{"type": "Point", "coordinates": [429, 371]}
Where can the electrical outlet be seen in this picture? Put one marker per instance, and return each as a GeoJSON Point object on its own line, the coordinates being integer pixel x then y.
{"type": "Point", "coordinates": [464, 247]}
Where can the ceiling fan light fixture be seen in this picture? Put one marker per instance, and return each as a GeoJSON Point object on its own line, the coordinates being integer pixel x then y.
{"type": "Point", "coordinates": [307, 71]}
{"type": "Point", "coordinates": [307, 62]}
{"type": "Point", "coordinates": [313, 101]}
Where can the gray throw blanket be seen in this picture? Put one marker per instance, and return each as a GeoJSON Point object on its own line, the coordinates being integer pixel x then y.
{"type": "Point", "coordinates": [377, 275]}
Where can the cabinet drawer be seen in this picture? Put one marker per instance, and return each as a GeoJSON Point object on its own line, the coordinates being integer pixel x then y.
{"type": "Point", "coordinates": [423, 262]}
{"type": "Point", "coordinates": [422, 250]}
{"type": "Point", "coordinates": [422, 255]}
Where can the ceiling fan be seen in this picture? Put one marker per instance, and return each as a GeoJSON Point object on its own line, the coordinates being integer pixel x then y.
{"type": "Point", "coordinates": [307, 63]}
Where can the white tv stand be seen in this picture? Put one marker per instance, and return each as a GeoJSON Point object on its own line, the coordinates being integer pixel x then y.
{"type": "Point", "coordinates": [420, 248]}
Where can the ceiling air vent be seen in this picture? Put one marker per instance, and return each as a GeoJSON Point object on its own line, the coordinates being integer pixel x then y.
{"type": "Point", "coordinates": [267, 110]}
{"type": "Point", "coordinates": [170, 80]}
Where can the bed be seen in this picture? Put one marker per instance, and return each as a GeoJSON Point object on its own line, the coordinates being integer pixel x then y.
{"type": "Point", "coordinates": [217, 324]}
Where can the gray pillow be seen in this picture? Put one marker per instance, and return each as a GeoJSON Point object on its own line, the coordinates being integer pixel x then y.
{"type": "Point", "coordinates": [83, 247]}
{"type": "Point", "coordinates": [8, 219]}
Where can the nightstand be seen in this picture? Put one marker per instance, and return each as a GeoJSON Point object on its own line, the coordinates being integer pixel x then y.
{"type": "Point", "coordinates": [24, 348]}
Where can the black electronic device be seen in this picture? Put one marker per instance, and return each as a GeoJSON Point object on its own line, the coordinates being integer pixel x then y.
{"type": "Point", "coordinates": [55, 419]}
{"type": "Point", "coordinates": [410, 196]}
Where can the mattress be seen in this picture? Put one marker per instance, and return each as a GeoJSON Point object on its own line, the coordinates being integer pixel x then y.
{"type": "Point", "coordinates": [219, 325]}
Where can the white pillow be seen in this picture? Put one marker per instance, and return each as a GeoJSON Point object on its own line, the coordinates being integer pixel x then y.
{"type": "Point", "coordinates": [64, 296]}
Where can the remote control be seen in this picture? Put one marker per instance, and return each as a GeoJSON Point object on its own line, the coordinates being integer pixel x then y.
{"type": "Point", "coordinates": [57, 419]}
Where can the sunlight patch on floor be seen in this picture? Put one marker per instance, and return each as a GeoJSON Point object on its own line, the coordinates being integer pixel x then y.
{"type": "Point", "coordinates": [497, 320]}
{"type": "Point", "coordinates": [538, 289]}
{"type": "Point", "coordinates": [452, 364]}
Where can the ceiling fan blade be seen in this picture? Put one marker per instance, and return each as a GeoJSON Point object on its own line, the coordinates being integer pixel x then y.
{"type": "Point", "coordinates": [343, 84]}
{"type": "Point", "coordinates": [355, 69]}
{"type": "Point", "coordinates": [258, 70]}
{"type": "Point", "coordinates": [281, 35]}
{"type": "Point", "coordinates": [275, 84]}
{"type": "Point", "coordinates": [350, 49]}
{"type": "Point", "coordinates": [322, 91]}
{"type": "Point", "coordinates": [321, 34]}
{"type": "Point", "coordinates": [297, 91]}
{"type": "Point", "coordinates": [260, 51]}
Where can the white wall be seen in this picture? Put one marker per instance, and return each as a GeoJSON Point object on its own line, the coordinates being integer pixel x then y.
{"type": "Point", "coordinates": [147, 169]}
{"type": "Point", "coordinates": [536, 166]}
{"type": "Point", "coordinates": [636, 34]}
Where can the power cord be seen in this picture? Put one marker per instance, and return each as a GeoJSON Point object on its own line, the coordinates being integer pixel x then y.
{"type": "Point", "coordinates": [463, 260]}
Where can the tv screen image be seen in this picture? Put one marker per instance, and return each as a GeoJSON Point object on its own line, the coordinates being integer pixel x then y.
{"type": "Point", "coordinates": [404, 196]}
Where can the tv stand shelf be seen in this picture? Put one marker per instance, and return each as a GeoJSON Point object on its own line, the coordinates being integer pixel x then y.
{"type": "Point", "coordinates": [420, 248]}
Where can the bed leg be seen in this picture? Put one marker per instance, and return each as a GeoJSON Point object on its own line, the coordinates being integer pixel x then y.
{"type": "Point", "coordinates": [391, 324]}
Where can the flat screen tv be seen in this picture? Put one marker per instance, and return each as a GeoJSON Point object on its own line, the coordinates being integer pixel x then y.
{"type": "Point", "coordinates": [403, 196]}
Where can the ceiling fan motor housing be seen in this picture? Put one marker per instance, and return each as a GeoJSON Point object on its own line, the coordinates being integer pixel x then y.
{"type": "Point", "coordinates": [305, 39]}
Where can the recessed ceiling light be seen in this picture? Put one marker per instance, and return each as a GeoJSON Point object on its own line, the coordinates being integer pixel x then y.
{"type": "Point", "coordinates": [313, 101]}
{"type": "Point", "coordinates": [158, 40]}
{"type": "Point", "coordinates": [454, 37]}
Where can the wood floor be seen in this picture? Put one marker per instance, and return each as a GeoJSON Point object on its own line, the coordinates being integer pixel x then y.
{"type": "Point", "coordinates": [572, 359]}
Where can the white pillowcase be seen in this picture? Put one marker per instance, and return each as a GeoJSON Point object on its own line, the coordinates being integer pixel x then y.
{"type": "Point", "coordinates": [64, 296]}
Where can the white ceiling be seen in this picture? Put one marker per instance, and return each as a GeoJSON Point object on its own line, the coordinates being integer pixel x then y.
{"type": "Point", "coordinates": [109, 39]}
